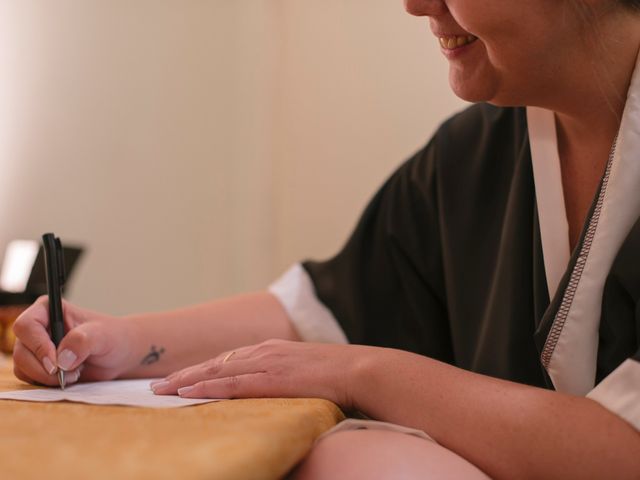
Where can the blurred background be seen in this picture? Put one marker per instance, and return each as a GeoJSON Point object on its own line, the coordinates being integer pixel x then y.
{"type": "Point", "coordinates": [197, 148]}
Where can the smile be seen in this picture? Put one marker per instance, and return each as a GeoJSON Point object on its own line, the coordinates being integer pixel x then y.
{"type": "Point", "coordinates": [456, 41]}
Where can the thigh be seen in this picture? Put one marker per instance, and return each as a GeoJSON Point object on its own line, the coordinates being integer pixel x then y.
{"type": "Point", "coordinates": [377, 455]}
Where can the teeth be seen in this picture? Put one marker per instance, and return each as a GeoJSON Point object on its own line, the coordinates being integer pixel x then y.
{"type": "Point", "coordinates": [456, 41]}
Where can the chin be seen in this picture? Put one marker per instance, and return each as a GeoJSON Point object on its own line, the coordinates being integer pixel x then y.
{"type": "Point", "coordinates": [471, 92]}
{"type": "Point", "coordinates": [485, 92]}
{"type": "Point", "coordinates": [470, 95]}
{"type": "Point", "coordinates": [476, 87]}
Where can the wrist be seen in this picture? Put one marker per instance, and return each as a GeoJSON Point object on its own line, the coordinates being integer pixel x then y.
{"type": "Point", "coordinates": [363, 377]}
{"type": "Point", "coordinates": [132, 338]}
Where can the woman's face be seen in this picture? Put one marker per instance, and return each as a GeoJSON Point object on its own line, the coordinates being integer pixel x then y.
{"type": "Point", "coordinates": [502, 51]}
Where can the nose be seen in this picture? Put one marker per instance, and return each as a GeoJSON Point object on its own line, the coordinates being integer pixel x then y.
{"type": "Point", "coordinates": [425, 8]}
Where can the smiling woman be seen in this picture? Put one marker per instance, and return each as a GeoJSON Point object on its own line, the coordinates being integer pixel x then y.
{"type": "Point", "coordinates": [484, 312]}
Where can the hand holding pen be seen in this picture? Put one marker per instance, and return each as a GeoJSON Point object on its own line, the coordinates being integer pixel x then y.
{"type": "Point", "coordinates": [54, 264]}
{"type": "Point", "coordinates": [57, 341]}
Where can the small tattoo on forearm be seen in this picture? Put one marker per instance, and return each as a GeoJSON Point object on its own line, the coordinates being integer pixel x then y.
{"type": "Point", "coordinates": [153, 356]}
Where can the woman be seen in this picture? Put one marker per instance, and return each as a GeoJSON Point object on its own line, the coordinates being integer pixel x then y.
{"type": "Point", "coordinates": [493, 281]}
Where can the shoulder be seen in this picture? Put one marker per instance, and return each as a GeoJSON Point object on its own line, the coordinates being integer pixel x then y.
{"type": "Point", "coordinates": [482, 140]}
{"type": "Point", "coordinates": [481, 119]}
{"type": "Point", "coordinates": [479, 131]}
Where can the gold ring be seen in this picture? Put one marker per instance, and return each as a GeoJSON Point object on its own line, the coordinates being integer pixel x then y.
{"type": "Point", "coordinates": [229, 355]}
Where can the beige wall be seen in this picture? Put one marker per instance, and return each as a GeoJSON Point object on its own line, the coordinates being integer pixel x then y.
{"type": "Point", "coordinates": [199, 147]}
{"type": "Point", "coordinates": [362, 86]}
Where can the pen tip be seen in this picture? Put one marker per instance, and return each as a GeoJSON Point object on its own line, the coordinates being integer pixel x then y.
{"type": "Point", "coordinates": [61, 378]}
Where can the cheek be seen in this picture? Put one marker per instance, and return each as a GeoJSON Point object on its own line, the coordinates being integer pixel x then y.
{"type": "Point", "coordinates": [466, 13]}
{"type": "Point", "coordinates": [518, 55]}
{"type": "Point", "coordinates": [485, 18]}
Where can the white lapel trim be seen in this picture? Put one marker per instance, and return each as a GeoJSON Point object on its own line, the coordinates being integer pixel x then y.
{"type": "Point", "coordinates": [571, 350]}
{"type": "Point", "coordinates": [547, 177]}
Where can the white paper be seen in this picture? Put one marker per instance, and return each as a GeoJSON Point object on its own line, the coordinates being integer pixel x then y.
{"type": "Point", "coordinates": [134, 393]}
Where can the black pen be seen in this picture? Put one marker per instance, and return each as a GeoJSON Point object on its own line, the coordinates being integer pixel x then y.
{"type": "Point", "coordinates": [54, 266]}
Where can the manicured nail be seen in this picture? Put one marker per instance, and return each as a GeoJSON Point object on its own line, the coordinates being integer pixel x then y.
{"type": "Point", "coordinates": [66, 359]}
{"type": "Point", "coordinates": [159, 386]}
{"type": "Point", "coordinates": [156, 382]}
{"type": "Point", "coordinates": [74, 376]}
{"type": "Point", "coordinates": [49, 366]}
{"type": "Point", "coordinates": [185, 390]}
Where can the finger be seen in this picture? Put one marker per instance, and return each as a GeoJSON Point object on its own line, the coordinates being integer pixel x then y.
{"type": "Point", "coordinates": [73, 377]}
{"type": "Point", "coordinates": [30, 329]}
{"type": "Point", "coordinates": [251, 385]}
{"type": "Point", "coordinates": [178, 373]}
{"type": "Point", "coordinates": [81, 342]}
{"type": "Point", "coordinates": [225, 357]}
{"type": "Point", "coordinates": [30, 367]}
{"type": "Point", "coordinates": [70, 378]}
{"type": "Point", "coordinates": [206, 371]}
{"type": "Point", "coordinates": [20, 375]}
{"type": "Point", "coordinates": [187, 376]}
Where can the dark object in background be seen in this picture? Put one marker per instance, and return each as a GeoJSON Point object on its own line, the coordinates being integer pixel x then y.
{"type": "Point", "coordinates": [37, 283]}
{"type": "Point", "coordinates": [13, 303]}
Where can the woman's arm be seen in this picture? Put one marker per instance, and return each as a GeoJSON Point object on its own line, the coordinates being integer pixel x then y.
{"type": "Point", "coordinates": [194, 334]}
{"type": "Point", "coordinates": [508, 430]}
{"type": "Point", "coordinates": [102, 347]}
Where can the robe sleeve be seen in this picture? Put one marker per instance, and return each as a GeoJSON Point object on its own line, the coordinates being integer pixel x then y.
{"type": "Point", "coordinates": [310, 318]}
{"type": "Point", "coordinates": [386, 286]}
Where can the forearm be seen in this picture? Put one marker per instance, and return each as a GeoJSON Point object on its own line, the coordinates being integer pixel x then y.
{"type": "Point", "coordinates": [191, 335]}
{"type": "Point", "coordinates": [508, 430]}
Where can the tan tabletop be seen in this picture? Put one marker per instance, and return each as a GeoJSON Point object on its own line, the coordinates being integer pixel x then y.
{"type": "Point", "coordinates": [237, 439]}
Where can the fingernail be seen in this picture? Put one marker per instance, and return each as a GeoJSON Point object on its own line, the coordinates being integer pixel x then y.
{"type": "Point", "coordinates": [185, 390]}
{"type": "Point", "coordinates": [74, 377]}
{"type": "Point", "coordinates": [156, 382]}
{"type": "Point", "coordinates": [66, 359]}
{"type": "Point", "coordinates": [159, 386]}
{"type": "Point", "coordinates": [48, 366]}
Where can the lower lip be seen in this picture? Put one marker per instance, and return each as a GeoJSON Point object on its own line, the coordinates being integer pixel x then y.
{"type": "Point", "coordinates": [452, 53]}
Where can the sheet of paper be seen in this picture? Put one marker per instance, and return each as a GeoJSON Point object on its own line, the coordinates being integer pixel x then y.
{"type": "Point", "coordinates": [134, 393]}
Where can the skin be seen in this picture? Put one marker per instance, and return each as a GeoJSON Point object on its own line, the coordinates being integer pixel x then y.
{"type": "Point", "coordinates": [107, 347]}
{"type": "Point", "coordinates": [507, 430]}
{"type": "Point", "coordinates": [580, 71]}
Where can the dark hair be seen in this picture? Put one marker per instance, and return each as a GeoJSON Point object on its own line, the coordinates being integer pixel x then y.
{"type": "Point", "coordinates": [633, 4]}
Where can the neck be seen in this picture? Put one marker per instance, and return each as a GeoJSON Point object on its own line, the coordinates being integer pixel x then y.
{"type": "Point", "coordinates": [596, 81]}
